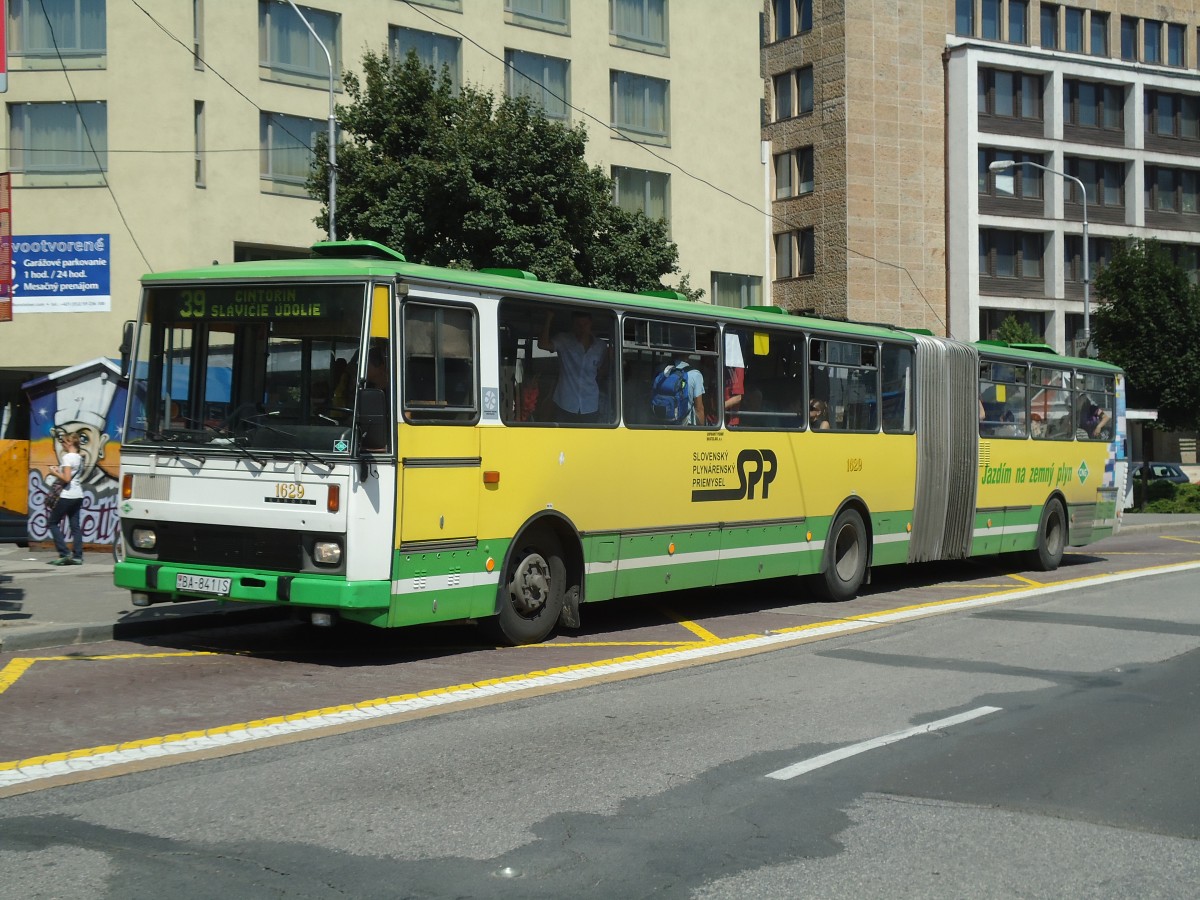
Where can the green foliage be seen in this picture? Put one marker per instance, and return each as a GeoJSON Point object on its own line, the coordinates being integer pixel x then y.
{"type": "Point", "coordinates": [1167, 497]}
{"type": "Point", "coordinates": [460, 179]}
{"type": "Point", "coordinates": [1013, 331]}
{"type": "Point", "coordinates": [1148, 322]}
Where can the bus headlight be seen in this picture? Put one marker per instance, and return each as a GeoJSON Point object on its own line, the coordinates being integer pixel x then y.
{"type": "Point", "coordinates": [144, 538]}
{"type": "Point", "coordinates": [327, 553]}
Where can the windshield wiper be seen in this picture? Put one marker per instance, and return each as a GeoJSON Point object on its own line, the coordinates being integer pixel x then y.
{"type": "Point", "coordinates": [227, 440]}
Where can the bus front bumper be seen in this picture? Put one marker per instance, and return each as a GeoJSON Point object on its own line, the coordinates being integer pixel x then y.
{"type": "Point", "coordinates": [162, 582]}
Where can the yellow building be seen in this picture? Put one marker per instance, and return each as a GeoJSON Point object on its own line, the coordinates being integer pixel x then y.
{"type": "Point", "coordinates": [162, 134]}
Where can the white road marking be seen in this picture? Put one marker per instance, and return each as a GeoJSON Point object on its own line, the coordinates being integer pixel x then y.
{"type": "Point", "coordinates": [854, 749]}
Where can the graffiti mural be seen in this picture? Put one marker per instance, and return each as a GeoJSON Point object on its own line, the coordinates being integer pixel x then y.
{"type": "Point", "coordinates": [87, 401]}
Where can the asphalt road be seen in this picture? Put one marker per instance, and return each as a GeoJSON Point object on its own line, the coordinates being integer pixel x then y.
{"type": "Point", "coordinates": [1040, 746]}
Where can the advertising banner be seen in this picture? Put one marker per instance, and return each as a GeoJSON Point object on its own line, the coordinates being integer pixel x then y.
{"type": "Point", "coordinates": [55, 273]}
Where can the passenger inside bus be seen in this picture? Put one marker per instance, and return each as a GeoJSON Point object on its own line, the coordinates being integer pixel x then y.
{"type": "Point", "coordinates": [818, 415]}
{"type": "Point", "coordinates": [1093, 419]}
{"type": "Point", "coordinates": [735, 379]}
{"type": "Point", "coordinates": [582, 360]}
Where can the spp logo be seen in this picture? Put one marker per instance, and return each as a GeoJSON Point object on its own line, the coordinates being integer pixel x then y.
{"type": "Point", "coordinates": [755, 468]}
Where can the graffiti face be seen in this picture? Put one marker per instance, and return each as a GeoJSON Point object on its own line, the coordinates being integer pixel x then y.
{"type": "Point", "coordinates": [91, 444]}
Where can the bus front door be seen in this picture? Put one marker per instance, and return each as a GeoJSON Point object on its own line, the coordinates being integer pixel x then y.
{"type": "Point", "coordinates": [440, 485]}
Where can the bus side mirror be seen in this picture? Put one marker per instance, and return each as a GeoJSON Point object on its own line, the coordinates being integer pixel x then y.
{"type": "Point", "coordinates": [372, 419]}
{"type": "Point", "coordinates": [126, 348]}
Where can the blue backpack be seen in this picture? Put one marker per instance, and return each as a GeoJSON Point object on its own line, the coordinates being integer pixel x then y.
{"type": "Point", "coordinates": [669, 401]}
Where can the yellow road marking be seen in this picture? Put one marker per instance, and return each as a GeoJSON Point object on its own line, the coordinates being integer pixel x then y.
{"type": "Point", "coordinates": [19, 666]}
{"type": "Point", "coordinates": [866, 619]}
{"type": "Point", "coordinates": [703, 633]}
{"type": "Point", "coordinates": [1181, 540]}
{"type": "Point", "coordinates": [550, 645]}
{"type": "Point", "coordinates": [1029, 581]}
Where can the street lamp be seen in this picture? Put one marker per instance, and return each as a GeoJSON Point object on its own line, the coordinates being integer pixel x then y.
{"type": "Point", "coordinates": [332, 126]}
{"type": "Point", "coordinates": [1000, 165]}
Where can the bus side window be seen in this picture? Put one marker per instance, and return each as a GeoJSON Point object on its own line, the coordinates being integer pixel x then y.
{"type": "Point", "coordinates": [772, 382]}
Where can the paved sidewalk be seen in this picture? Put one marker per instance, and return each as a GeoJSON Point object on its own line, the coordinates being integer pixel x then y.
{"type": "Point", "coordinates": [51, 606]}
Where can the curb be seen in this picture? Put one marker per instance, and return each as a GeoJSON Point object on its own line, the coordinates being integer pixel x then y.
{"type": "Point", "coordinates": [36, 637]}
{"type": "Point", "coordinates": [1155, 527]}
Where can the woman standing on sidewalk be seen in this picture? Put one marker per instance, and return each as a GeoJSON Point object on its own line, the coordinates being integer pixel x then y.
{"type": "Point", "coordinates": [69, 503]}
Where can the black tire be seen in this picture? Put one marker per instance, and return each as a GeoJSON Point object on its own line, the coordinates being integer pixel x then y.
{"type": "Point", "coordinates": [1051, 538]}
{"type": "Point", "coordinates": [846, 554]}
{"type": "Point", "coordinates": [531, 592]}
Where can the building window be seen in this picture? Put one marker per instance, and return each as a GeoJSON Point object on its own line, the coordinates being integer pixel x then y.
{"type": "Point", "coordinates": [286, 150]}
{"type": "Point", "coordinates": [543, 79]}
{"type": "Point", "coordinates": [1073, 34]}
{"type": "Point", "coordinates": [1172, 115]}
{"type": "Point", "coordinates": [794, 253]}
{"type": "Point", "coordinates": [1010, 94]}
{"type": "Point", "coordinates": [794, 173]}
{"type": "Point", "coordinates": [1187, 257]}
{"type": "Point", "coordinates": [435, 51]}
{"type": "Point", "coordinates": [551, 15]}
{"type": "Point", "coordinates": [639, 190]}
{"type": "Point", "coordinates": [58, 138]}
{"type": "Point", "coordinates": [1010, 254]}
{"type": "Point", "coordinates": [793, 93]}
{"type": "Point", "coordinates": [1091, 105]}
{"type": "Point", "coordinates": [1048, 16]}
{"type": "Point", "coordinates": [792, 17]}
{"type": "Point", "coordinates": [641, 106]}
{"type": "Point", "coordinates": [1129, 28]}
{"type": "Point", "coordinates": [1100, 251]}
{"type": "Point", "coordinates": [1103, 181]}
{"type": "Point", "coordinates": [198, 131]}
{"type": "Point", "coordinates": [1019, 181]}
{"type": "Point", "coordinates": [731, 289]}
{"type": "Point", "coordinates": [990, 20]}
{"type": "Point", "coordinates": [1018, 21]}
{"type": "Point", "coordinates": [1151, 41]}
{"type": "Point", "coordinates": [54, 28]}
{"type": "Point", "coordinates": [198, 33]}
{"type": "Point", "coordinates": [999, 20]}
{"type": "Point", "coordinates": [964, 18]}
{"type": "Point", "coordinates": [1176, 51]}
{"type": "Point", "coordinates": [1098, 45]}
{"type": "Point", "coordinates": [990, 321]}
{"type": "Point", "coordinates": [640, 22]}
{"type": "Point", "coordinates": [286, 49]}
{"type": "Point", "coordinates": [1172, 190]}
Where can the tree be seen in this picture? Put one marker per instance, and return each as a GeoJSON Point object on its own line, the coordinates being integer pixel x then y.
{"type": "Point", "coordinates": [457, 178]}
{"type": "Point", "coordinates": [1013, 331]}
{"type": "Point", "coordinates": [1148, 322]}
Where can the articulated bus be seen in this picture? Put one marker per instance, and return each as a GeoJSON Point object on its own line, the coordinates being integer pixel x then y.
{"type": "Point", "coordinates": [358, 438]}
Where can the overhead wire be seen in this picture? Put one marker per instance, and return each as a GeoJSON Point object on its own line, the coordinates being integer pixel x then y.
{"type": "Point", "coordinates": [88, 134]}
{"type": "Point", "coordinates": [768, 214]}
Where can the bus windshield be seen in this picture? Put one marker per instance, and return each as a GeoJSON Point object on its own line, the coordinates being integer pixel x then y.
{"type": "Point", "coordinates": [249, 366]}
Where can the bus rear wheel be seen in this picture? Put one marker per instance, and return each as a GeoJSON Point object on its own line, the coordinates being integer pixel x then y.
{"type": "Point", "coordinates": [531, 597]}
{"type": "Point", "coordinates": [1051, 539]}
{"type": "Point", "coordinates": [845, 558]}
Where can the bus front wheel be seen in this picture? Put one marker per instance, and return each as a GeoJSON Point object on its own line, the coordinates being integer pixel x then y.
{"type": "Point", "coordinates": [845, 558]}
{"type": "Point", "coordinates": [532, 595]}
{"type": "Point", "coordinates": [1051, 539]}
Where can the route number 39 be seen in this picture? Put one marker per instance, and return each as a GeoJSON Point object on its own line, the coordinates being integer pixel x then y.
{"type": "Point", "coordinates": [194, 305]}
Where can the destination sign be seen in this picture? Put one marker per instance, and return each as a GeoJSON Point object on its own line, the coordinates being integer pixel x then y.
{"type": "Point", "coordinates": [224, 304]}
